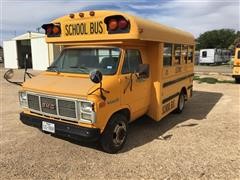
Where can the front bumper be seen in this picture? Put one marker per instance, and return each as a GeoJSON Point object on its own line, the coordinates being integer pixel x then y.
{"type": "Point", "coordinates": [63, 129]}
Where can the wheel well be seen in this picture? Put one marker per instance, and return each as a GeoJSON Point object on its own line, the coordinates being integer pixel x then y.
{"type": "Point", "coordinates": [184, 90]}
{"type": "Point", "coordinates": [125, 112]}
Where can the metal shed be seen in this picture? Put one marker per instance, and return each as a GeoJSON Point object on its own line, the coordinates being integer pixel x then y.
{"type": "Point", "coordinates": [30, 49]}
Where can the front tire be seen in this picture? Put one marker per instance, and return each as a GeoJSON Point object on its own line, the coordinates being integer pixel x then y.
{"type": "Point", "coordinates": [115, 134]}
{"type": "Point", "coordinates": [181, 102]}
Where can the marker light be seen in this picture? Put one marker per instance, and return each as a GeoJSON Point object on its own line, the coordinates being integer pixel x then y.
{"type": "Point", "coordinates": [71, 15]}
{"type": "Point", "coordinates": [91, 13]}
{"type": "Point", "coordinates": [81, 15]}
{"type": "Point", "coordinates": [122, 24]}
{"type": "Point", "coordinates": [113, 24]}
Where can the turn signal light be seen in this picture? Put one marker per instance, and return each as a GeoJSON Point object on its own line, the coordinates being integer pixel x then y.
{"type": "Point", "coordinates": [52, 30]}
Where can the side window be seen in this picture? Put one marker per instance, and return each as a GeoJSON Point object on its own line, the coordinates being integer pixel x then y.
{"type": "Point", "coordinates": [167, 55]}
{"type": "Point", "coordinates": [190, 54]}
{"type": "Point", "coordinates": [204, 54]}
{"type": "Point", "coordinates": [184, 53]}
{"type": "Point", "coordinates": [177, 53]}
{"type": "Point", "coordinates": [131, 61]}
{"type": "Point", "coordinates": [238, 54]}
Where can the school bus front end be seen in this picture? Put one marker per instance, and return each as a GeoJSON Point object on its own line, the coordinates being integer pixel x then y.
{"type": "Point", "coordinates": [236, 66]}
{"type": "Point", "coordinates": [113, 69]}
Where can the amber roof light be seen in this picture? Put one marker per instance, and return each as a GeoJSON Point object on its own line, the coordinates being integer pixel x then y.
{"type": "Point", "coordinates": [91, 13]}
{"type": "Point", "coordinates": [71, 15]}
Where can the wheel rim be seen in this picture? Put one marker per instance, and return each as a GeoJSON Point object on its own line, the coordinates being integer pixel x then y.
{"type": "Point", "coordinates": [181, 102]}
{"type": "Point", "coordinates": [119, 133]}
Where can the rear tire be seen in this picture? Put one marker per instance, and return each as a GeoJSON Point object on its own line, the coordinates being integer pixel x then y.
{"type": "Point", "coordinates": [115, 134]}
{"type": "Point", "coordinates": [181, 102]}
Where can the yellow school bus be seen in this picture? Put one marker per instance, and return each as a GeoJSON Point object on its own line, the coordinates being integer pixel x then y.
{"type": "Point", "coordinates": [236, 66]}
{"type": "Point", "coordinates": [113, 68]}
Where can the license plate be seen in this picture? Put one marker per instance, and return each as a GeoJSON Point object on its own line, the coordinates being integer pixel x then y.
{"type": "Point", "coordinates": [49, 127]}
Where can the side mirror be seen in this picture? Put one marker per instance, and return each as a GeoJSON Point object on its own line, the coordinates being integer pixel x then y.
{"type": "Point", "coordinates": [95, 76]}
{"type": "Point", "coordinates": [143, 70]}
{"type": "Point", "coordinates": [9, 74]}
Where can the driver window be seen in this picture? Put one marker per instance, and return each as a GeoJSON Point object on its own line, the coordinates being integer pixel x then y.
{"type": "Point", "coordinates": [131, 61]}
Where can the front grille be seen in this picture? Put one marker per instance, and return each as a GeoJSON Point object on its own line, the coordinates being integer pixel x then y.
{"type": "Point", "coordinates": [66, 108]}
{"type": "Point", "coordinates": [48, 105]}
{"type": "Point", "coordinates": [53, 106]}
{"type": "Point", "coordinates": [33, 102]}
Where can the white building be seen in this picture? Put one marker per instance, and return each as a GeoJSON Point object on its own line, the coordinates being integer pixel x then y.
{"type": "Point", "coordinates": [30, 49]}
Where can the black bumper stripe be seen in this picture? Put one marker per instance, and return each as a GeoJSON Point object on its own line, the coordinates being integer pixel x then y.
{"type": "Point", "coordinates": [64, 129]}
{"type": "Point", "coordinates": [169, 98]}
{"type": "Point", "coordinates": [176, 80]}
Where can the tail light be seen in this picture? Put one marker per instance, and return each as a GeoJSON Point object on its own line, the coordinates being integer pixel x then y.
{"type": "Point", "coordinates": [117, 24]}
{"type": "Point", "coordinates": [122, 23]}
{"type": "Point", "coordinates": [52, 30]}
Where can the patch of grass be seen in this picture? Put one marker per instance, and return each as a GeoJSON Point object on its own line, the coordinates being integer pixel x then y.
{"type": "Point", "coordinates": [211, 80]}
{"type": "Point", "coordinates": [196, 77]}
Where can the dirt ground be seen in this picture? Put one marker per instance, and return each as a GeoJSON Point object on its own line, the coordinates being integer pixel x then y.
{"type": "Point", "coordinates": [201, 143]}
{"type": "Point", "coordinates": [227, 69]}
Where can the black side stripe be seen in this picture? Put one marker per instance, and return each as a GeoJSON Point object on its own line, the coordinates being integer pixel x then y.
{"type": "Point", "coordinates": [169, 98]}
{"type": "Point", "coordinates": [177, 80]}
{"type": "Point", "coordinates": [189, 87]}
{"type": "Point", "coordinates": [236, 65]}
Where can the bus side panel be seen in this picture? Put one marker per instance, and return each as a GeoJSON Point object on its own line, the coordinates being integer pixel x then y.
{"type": "Point", "coordinates": [174, 78]}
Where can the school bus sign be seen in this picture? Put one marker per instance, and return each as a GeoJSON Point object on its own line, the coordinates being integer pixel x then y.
{"type": "Point", "coordinates": [84, 28]}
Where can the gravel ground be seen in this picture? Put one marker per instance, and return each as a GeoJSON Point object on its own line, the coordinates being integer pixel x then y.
{"type": "Point", "coordinates": [202, 142]}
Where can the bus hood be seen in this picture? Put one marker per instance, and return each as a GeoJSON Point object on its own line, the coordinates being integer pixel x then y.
{"type": "Point", "coordinates": [60, 85]}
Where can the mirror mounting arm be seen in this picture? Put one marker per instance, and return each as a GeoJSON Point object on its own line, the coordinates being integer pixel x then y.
{"type": "Point", "coordinates": [101, 92]}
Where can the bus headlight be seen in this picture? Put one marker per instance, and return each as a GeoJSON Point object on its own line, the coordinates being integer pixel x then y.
{"type": "Point", "coordinates": [23, 99]}
{"type": "Point", "coordinates": [86, 112]}
{"type": "Point", "coordinates": [86, 107]}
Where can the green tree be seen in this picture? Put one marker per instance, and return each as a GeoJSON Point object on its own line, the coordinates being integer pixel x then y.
{"type": "Point", "coordinates": [221, 38]}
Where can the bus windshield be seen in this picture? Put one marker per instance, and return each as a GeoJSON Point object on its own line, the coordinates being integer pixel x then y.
{"type": "Point", "coordinates": [84, 60]}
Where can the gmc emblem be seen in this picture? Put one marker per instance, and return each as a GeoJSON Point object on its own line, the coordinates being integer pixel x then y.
{"type": "Point", "coordinates": [48, 106]}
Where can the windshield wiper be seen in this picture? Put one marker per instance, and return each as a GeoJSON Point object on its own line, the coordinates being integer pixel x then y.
{"type": "Point", "coordinates": [84, 69]}
{"type": "Point", "coordinates": [54, 68]}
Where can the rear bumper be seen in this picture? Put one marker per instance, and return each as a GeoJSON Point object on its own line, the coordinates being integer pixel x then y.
{"type": "Point", "coordinates": [63, 129]}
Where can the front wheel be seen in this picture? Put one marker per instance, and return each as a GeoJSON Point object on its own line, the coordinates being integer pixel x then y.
{"type": "Point", "coordinates": [181, 102]}
{"type": "Point", "coordinates": [115, 134]}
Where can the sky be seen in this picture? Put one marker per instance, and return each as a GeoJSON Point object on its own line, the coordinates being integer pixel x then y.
{"type": "Point", "coordinates": [195, 16]}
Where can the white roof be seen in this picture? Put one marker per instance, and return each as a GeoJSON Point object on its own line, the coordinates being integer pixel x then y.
{"type": "Point", "coordinates": [29, 35]}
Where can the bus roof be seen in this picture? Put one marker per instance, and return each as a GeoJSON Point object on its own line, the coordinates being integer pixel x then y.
{"type": "Point", "coordinates": [93, 26]}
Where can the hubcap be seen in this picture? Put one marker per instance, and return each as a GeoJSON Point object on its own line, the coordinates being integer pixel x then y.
{"type": "Point", "coordinates": [119, 133]}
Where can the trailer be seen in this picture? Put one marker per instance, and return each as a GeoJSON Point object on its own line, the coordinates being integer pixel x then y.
{"type": "Point", "coordinates": [214, 56]}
